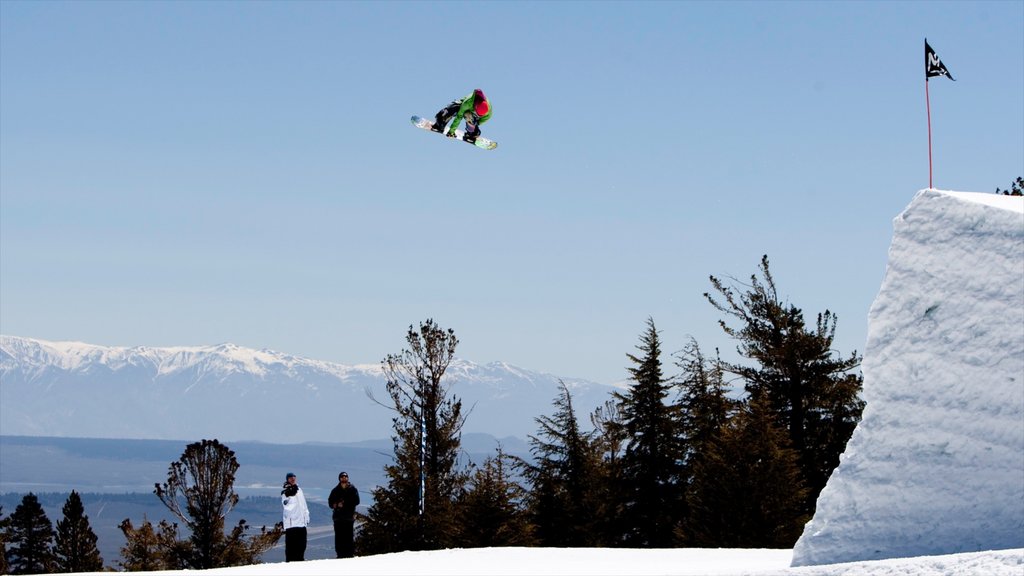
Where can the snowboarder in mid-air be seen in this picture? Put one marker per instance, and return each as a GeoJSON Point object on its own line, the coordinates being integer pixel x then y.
{"type": "Point", "coordinates": [475, 109]}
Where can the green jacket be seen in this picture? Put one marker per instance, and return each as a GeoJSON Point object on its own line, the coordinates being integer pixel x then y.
{"type": "Point", "coordinates": [468, 104]}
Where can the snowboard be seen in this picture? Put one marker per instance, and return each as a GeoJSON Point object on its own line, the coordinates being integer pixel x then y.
{"type": "Point", "coordinates": [481, 142]}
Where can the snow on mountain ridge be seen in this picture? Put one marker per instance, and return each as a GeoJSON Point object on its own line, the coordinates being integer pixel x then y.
{"type": "Point", "coordinates": [222, 359]}
{"type": "Point", "coordinates": [232, 392]}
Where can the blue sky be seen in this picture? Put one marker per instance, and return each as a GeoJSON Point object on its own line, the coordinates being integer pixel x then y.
{"type": "Point", "coordinates": [185, 173]}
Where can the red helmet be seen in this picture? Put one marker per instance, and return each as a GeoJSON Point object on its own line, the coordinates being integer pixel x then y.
{"type": "Point", "coordinates": [481, 105]}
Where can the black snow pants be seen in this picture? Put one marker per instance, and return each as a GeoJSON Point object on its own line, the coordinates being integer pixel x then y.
{"type": "Point", "coordinates": [343, 537]}
{"type": "Point", "coordinates": [295, 544]}
{"type": "Point", "coordinates": [444, 115]}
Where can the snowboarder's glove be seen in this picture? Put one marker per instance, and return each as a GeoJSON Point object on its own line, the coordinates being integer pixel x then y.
{"type": "Point", "coordinates": [450, 134]}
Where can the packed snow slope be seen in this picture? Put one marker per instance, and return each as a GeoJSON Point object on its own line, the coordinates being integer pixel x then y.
{"type": "Point", "coordinates": [936, 466]}
{"type": "Point", "coordinates": [626, 562]}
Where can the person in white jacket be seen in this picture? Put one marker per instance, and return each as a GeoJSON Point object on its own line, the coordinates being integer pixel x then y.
{"type": "Point", "coordinates": [296, 517]}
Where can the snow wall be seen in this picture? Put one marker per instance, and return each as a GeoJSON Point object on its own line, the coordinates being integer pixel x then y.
{"type": "Point", "coordinates": [936, 466]}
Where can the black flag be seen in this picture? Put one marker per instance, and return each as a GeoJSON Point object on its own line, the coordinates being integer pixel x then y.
{"type": "Point", "coordinates": [932, 65]}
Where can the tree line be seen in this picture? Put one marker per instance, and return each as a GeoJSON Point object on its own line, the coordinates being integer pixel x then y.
{"type": "Point", "coordinates": [720, 454]}
{"type": "Point", "coordinates": [682, 460]}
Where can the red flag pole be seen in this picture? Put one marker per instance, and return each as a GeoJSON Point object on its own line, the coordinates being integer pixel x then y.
{"type": "Point", "coordinates": [928, 105]}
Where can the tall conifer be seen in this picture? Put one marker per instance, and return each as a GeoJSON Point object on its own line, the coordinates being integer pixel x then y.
{"type": "Point", "coordinates": [805, 382]}
{"type": "Point", "coordinates": [75, 548]}
{"type": "Point", "coordinates": [30, 535]}
{"type": "Point", "coordinates": [416, 509]}
{"type": "Point", "coordinates": [565, 499]}
{"type": "Point", "coordinates": [651, 466]}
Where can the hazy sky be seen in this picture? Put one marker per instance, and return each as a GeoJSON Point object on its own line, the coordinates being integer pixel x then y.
{"type": "Point", "coordinates": [186, 173]}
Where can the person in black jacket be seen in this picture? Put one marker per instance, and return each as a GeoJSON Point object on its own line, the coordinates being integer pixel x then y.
{"type": "Point", "coordinates": [343, 500]}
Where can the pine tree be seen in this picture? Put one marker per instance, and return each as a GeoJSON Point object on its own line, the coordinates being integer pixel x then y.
{"type": "Point", "coordinates": [651, 465]}
{"type": "Point", "coordinates": [416, 509]}
{"type": "Point", "coordinates": [493, 507]}
{"type": "Point", "coordinates": [704, 403]}
{"type": "Point", "coordinates": [30, 535]}
{"type": "Point", "coordinates": [200, 492]}
{"type": "Point", "coordinates": [75, 548]}
{"type": "Point", "coordinates": [565, 500]}
{"type": "Point", "coordinates": [4, 523]}
{"type": "Point", "coordinates": [814, 392]}
{"type": "Point", "coordinates": [747, 491]}
{"type": "Point", "coordinates": [392, 524]}
{"type": "Point", "coordinates": [705, 409]}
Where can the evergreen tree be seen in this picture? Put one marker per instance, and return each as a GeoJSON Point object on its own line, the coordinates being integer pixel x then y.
{"type": "Point", "coordinates": [30, 535]}
{"type": "Point", "coordinates": [392, 524]}
{"type": "Point", "coordinates": [200, 492]}
{"type": "Point", "coordinates": [704, 403]}
{"type": "Point", "coordinates": [564, 501]}
{"type": "Point", "coordinates": [747, 491]}
{"type": "Point", "coordinates": [651, 465]}
{"type": "Point", "coordinates": [493, 507]}
{"type": "Point", "coordinates": [416, 509]}
{"type": "Point", "coordinates": [4, 523]}
{"type": "Point", "coordinates": [805, 383]}
{"type": "Point", "coordinates": [75, 548]}
{"type": "Point", "coordinates": [705, 409]}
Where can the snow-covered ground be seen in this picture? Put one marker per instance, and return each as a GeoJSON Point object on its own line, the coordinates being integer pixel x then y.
{"type": "Point", "coordinates": [606, 561]}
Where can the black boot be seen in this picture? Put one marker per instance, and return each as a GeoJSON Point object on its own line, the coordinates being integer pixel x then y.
{"type": "Point", "coordinates": [441, 119]}
{"type": "Point", "coordinates": [444, 115]}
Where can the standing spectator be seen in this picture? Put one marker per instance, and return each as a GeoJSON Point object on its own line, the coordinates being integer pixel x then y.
{"type": "Point", "coordinates": [296, 517]}
{"type": "Point", "coordinates": [343, 500]}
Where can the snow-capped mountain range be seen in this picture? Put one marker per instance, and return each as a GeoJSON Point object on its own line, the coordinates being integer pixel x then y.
{"type": "Point", "coordinates": [234, 393]}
